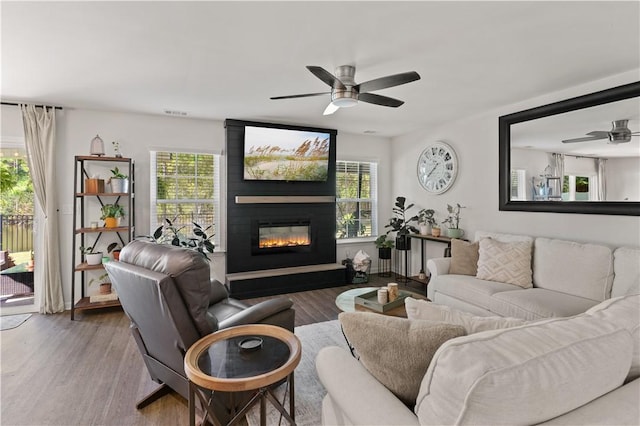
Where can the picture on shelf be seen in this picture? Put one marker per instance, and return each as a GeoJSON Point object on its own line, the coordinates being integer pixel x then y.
{"type": "Point", "coordinates": [285, 154]}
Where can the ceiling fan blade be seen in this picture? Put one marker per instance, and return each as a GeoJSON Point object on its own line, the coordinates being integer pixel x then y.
{"type": "Point", "coordinates": [331, 108]}
{"type": "Point", "coordinates": [586, 139]}
{"type": "Point", "coordinates": [300, 96]}
{"type": "Point", "coordinates": [326, 76]}
{"type": "Point", "coordinates": [379, 100]}
{"type": "Point", "coordinates": [388, 81]}
{"type": "Point", "coordinates": [602, 134]}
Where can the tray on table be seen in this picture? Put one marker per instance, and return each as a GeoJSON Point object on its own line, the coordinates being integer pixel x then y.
{"type": "Point", "coordinates": [370, 300]}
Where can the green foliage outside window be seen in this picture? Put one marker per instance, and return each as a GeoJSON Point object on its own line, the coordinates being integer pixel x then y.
{"type": "Point", "coordinates": [16, 187]}
{"type": "Point", "coordinates": [354, 205]}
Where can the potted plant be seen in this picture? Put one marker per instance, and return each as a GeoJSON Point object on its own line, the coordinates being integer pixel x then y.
{"type": "Point", "coordinates": [119, 182]}
{"type": "Point", "coordinates": [401, 225]}
{"type": "Point", "coordinates": [114, 248]}
{"type": "Point", "coordinates": [453, 221]}
{"type": "Point", "coordinates": [104, 283]}
{"type": "Point", "coordinates": [426, 219]}
{"type": "Point", "coordinates": [111, 213]}
{"type": "Point", "coordinates": [92, 257]}
{"type": "Point", "coordinates": [170, 234]}
{"type": "Point", "coordinates": [384, 246]}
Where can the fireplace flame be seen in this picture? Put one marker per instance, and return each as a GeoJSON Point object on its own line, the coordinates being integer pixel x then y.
{"type": "Point", "coordinates": [290, 241]}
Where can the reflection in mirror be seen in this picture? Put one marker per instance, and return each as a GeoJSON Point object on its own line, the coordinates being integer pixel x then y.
{"type": "Point", "coordinates": [581, 155]}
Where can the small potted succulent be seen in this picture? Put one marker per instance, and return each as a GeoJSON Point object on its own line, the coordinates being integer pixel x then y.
{"type": "Point", "coordinates": [103, 282]}
{"type": "Point", "coordinates": [111, 214]}
{"type": "Point", "coordinates": [114, 248]}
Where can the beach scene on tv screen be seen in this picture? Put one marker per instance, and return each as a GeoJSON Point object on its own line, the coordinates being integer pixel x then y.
{"type": "Point", "coordinates": [282, 154]}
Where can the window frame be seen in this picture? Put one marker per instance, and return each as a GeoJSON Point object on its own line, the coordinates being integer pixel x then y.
{"type": "Point", "coordinates": [217, 195]}
{"type": "Point", "coordinates": [373, 199]}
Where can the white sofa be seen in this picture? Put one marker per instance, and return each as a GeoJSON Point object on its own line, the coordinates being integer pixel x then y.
{"type": "Point", "coordinates": [568, 278]}
{"type": "Point", "coordinates": [560, 371]}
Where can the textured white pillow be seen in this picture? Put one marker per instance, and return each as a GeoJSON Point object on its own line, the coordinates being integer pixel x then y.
{"type": "Point", "coordinates": [425, 310]}
{"type": "Point", "coordinates": [505, 262]}
{"type": "Point", "coordinates": [524, 375]}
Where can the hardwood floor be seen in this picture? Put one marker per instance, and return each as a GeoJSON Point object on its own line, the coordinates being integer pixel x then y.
{"type": "Point", "coordinates": [55, 371]}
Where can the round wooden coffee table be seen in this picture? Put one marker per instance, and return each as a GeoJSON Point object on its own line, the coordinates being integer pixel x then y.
{"type": "Point", "coordinates": [346, 301]}
{"type": "Point", "coordinates": [243, 358]}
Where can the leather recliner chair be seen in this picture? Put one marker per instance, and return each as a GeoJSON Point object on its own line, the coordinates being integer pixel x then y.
{"type": "Point", "coordinates": [167, 293]}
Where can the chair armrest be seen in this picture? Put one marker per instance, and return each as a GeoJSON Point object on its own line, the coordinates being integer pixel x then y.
{"type": "Point", "coordinates": [438, 266]}
{"type": "Point", "coordinates": [357, 394]}
{"type": "Point", "coordinates": [257, 313]}
{"type": "Point", "coordinates": [217, 292]}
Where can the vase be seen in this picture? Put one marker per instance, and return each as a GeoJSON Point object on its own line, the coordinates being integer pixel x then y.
{"type": "Point", "coordinates": [384, 253]}
{"type": "Point", "coordinates": [403, 242]}
{"type": "Point", "coordinates": [435, 232]}
{"type": "Point", "coordinates": [93, 258]}
{"type": "Point", "coordinates": [110, 222]}
{"type": "Point", "coordinates": [119, 186]}
{"type": "Point", "coordinates": [455, 233]}
{"type": "Point", "coordinates": [424, 229]}
{"type": "Point", "coordinates": [105, 288]}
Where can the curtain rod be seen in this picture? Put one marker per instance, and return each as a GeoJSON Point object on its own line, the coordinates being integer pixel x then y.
{"type": "Point", "coordinates": [37, 106]}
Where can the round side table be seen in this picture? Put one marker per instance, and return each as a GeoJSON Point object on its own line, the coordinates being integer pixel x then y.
{"type": "Point", "coordinates": [243, 358]}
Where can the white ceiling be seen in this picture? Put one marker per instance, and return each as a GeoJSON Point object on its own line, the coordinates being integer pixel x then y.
{"type": "Point", "coordinates": [218, 60]}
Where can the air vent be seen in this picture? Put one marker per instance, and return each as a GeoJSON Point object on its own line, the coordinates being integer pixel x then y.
{"type": "Point", "coordinates": [175, 113]}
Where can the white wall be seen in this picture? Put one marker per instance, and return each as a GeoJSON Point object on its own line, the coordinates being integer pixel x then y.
{"type": "Point", "coordinates": [622, 179]}
{"type": "Point", "coordinates": [475, 140]}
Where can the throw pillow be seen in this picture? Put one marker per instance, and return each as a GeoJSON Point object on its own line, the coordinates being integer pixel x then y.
{"type": "Point", "coordinates": [505, 262]}
{"type": "Point", "coordinates": [425, 310]}
{"type": "Point", "coordinates": [396, 351]}
{"type": "Point", "coordinates": [464, 257]}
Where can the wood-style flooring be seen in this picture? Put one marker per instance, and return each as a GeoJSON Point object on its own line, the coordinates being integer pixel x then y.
{"type": "Point", "coordinates": [55, 371]}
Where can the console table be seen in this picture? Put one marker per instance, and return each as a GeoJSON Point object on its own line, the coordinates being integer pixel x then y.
{"type": "Point", "coordinates": [423, 250]}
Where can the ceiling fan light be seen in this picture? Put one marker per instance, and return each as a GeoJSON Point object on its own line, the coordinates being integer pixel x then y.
{"type": "Point", "coordinates": [344, 102]}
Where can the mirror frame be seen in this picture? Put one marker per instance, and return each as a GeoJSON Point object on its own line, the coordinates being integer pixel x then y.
{"type": "Point", "coordinates": [628, 208]}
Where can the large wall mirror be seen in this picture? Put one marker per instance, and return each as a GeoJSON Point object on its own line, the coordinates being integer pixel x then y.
{"type": "Point", "coordinates": [581, 155]}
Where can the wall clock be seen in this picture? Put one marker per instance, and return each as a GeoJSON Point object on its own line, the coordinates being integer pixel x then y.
{"type": "Point", "coordinates": [437, 167]}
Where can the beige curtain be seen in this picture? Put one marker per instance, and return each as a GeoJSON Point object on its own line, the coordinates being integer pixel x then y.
{"type": "Point", "coordinates": [39, 134]}
{"type": "Point", "coordinates": [602, 184]}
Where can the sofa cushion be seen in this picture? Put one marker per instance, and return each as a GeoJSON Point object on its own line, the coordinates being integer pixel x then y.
{"type": "Point", "coordinates": [538, 303]}
{"type": "Point", "coordinates": [524, 375]}
{"type": "Point", "coordinates": [464, 257]}
{"type": "Point", "coordinates": [505, 262]}
{"type": "Point", "coordinates": [626, 267]}
{"type": "Point", "coordinates": [394, 350]}
{"type": "Point", "coordinates": [504, 238]}
{"type": "Point", "coordinates": [425, 310]}
{"type": "Point", "coordinates": [584, 270]}
{"type": "Point", "coordinates": [470, 289]}
{"type": "Point", "coordinates": [623, 311]}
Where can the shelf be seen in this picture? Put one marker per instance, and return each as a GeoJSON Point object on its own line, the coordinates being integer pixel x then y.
{"type": "Point", "coordinates": [424, 281]}
{"type": "Point", "coordinates": [102, 194]}
{"type": "Point", "coordinates": [84, 304]}
{"type": "Point", "coordinates": [86, 267]}
{"type": "Point", "coordinates": [102, 229]}
{"type": "Point", "coordinates": [102, 158]}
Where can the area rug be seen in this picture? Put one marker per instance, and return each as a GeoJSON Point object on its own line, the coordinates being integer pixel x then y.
{"type": "Point", "coordinates": [12, 321]}
{"type": "Point", "coordinates": [308, 389]}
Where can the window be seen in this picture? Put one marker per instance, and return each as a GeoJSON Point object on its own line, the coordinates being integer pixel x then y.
{"type": "Point", "coordinates": [578, 188]}
{"type": "Point", "coordinates": [185, 188]}
{"type": "Point", "coordinates": [518, 185]}
{"type": "Point", "coordinates": [356, 199]}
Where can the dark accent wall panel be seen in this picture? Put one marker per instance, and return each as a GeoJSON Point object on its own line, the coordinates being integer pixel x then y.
{"type": "Point", "coordinates": [241, 217]}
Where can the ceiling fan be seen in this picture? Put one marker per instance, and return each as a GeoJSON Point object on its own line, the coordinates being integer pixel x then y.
{"type": "Point", "coordinates": [620, 133]}
{"type": "Point", "coordinates": [346, 93]}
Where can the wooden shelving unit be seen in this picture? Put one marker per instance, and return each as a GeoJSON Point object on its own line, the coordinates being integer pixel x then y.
{"type": "Point", "coordinates": [85, 235]}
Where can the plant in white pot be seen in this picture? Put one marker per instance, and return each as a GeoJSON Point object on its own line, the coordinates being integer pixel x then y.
{"type": "Point", "coordinates": [453, 221]}
{"type": "Point", "coordinates": [426, 220]}
{"type": "Point", "coordinates": [119, 182]}
{"type": "Point", "coordinates": [92, 257]}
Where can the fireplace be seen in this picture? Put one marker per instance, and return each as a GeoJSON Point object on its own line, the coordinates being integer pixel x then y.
{"type": "Point", "coordinates": [290, 236]}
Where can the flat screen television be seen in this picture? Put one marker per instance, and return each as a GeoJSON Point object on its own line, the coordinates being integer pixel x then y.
{"type": "Point", "coordinates": [285, 154]}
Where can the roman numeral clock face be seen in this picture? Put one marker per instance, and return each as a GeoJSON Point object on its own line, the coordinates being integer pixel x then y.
{"type": "Point", "coordinates": [437, 168]}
